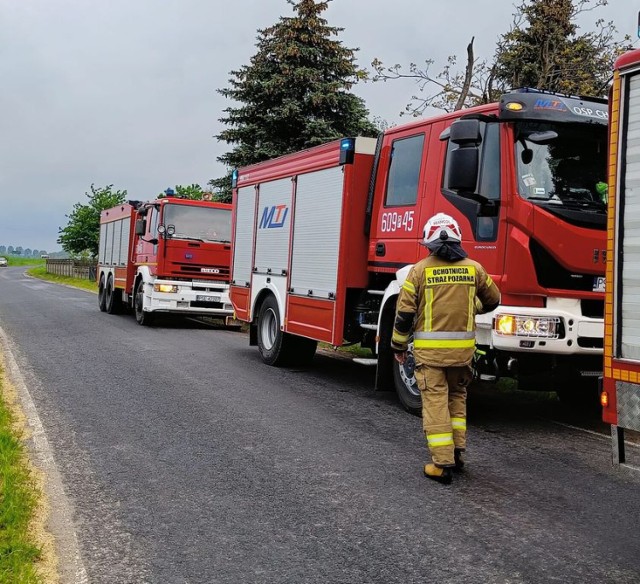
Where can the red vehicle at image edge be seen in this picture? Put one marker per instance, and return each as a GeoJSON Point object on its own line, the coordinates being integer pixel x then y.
{"type": "Point", "coordinates": [322, 238]}
{"type": "Point", "coordinates": [170, 255]}
{"type": "Point", "coordinates": [620, 397]}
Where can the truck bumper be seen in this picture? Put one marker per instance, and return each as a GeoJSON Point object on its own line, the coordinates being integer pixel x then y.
{"type": "Point", "coordinates": [579, 335]}
{"type": "Point", "coordinates": [197, 298]}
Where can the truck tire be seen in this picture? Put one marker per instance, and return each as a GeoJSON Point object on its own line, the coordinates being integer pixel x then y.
{"type": "Point", "coordinates": [405, 383]}
{"type": "Point", "coordinates": [102, 300]}
{"type": "Point", "coordinates": [142, 318]}
{"type": "Point", "coordinates": [271, 339]}
{"type": "Point", "coordinates": [113, 304]}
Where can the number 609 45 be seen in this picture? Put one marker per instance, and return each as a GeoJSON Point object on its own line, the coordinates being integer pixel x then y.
{"type": "Point", "coordinates": [394, 221]}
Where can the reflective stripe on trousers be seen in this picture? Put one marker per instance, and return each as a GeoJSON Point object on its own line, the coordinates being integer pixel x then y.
{"type": "Point", "coordinates": [434, 440]}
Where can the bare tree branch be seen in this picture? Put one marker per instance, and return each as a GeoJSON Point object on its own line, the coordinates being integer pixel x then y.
{"type": "Point", "coordinates": [468, 76]}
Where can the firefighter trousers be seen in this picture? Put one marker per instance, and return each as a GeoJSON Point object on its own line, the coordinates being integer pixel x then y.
{"type": "Point", "coordinates": [444, 409]}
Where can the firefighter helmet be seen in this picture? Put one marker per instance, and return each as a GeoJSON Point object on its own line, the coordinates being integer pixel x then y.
{"type": "Point", "coordinates": [441, 227]}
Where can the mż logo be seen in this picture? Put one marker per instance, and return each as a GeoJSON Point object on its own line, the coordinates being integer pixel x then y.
{"type": "Point", "coordinates": [273, 217]}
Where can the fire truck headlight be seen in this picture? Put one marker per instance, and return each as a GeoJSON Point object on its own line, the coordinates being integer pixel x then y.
{"type": "Point", "coordinates": [527, 326]}
{"type": "Point", "coordinates": [505, 324]}
{"type": "Point", "coordinates": [168, 288]}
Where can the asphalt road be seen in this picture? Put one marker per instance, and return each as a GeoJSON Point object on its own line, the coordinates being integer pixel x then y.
{"type": "Point", "coordinates": [184, 459]}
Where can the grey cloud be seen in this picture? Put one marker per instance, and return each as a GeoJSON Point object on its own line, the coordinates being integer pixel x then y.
{"type": "Point", "coordinates": [123, 91]}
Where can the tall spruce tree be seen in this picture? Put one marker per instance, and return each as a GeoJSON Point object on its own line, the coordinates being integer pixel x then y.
{"type": "Point", "coordinates": [295, 93]}
{"type": "Point", "coordinates": [544, 49]}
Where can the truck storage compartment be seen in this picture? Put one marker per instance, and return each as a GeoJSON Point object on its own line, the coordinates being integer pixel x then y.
{"type": "Point", "coordinates": [299, 233]}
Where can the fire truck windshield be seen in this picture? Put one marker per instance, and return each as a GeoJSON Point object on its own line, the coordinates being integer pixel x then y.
{"type": "Point", "coordinates": [200, 223]}
{"type": "Point", "coordinates": [568, 170]}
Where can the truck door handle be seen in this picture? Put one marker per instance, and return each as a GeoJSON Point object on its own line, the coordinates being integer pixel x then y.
{"type": "Point", "coordinates": [381, 249]}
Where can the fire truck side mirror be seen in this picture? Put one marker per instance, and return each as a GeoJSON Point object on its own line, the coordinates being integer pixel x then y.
{"type": "Point", "coordinates": [141, 226]}
{"type": "Point", "coordinates": [464, 160]}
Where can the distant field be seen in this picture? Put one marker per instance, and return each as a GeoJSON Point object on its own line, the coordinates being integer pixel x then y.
{"type": "Point", "coordinates": [18, 261]}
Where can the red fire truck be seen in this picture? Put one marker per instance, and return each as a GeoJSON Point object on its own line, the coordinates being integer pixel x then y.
{"type": "Point", "coordinates": [620, 397]}
{"type": "Point", "coordinates": [324, 238]}
{"type": "Point", "coordinates": [170, 255]}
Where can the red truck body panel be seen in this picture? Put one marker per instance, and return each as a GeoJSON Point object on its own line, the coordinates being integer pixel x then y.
{"type": "Point", "coordinates": [306, 315]}
{"type": "Point", "coordinates": [621, 381]}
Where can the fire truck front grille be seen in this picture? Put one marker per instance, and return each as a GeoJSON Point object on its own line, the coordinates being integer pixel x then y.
{"type": "Point", "coordinates": [550, 274]}
{"type": "Point", "coordinates": [221, 272]}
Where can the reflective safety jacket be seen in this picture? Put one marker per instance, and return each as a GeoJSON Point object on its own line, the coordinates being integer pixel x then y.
{"type": "Point", "coordinates": [438, 302]}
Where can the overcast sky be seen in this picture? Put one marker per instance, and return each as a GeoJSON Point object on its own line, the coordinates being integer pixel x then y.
{"type": "Point", "coordinates": [122, 92]}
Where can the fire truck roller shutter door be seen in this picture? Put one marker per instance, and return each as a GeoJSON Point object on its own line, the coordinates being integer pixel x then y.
{"type": "Point", "coordinates": [630, 325]}
{"type": "Point", "coordinates": [243, 243]}
{"type": "Point", "coordinates": [316, 235]}
{"type": "Point", "coordinates": [272, 238]}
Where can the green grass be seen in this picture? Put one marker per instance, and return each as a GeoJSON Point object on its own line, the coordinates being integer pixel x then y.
{"type": "Point", "coordinates": [18, 261]}
{"type": "Point", "coordinates": [41, 272]}
{"type": "Point", "coordinates": [18, 500]}
{"type": "Point", "coordinates": [349, 350]}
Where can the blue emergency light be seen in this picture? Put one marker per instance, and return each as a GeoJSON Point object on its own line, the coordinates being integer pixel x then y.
{"type": "Point", "coordinates": [234, 178]}
{"type": "Point", "coordinates": [347, 150]}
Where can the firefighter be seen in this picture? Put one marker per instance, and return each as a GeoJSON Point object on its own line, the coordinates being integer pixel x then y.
{"type": "Point", "coordinates": [438, 303]}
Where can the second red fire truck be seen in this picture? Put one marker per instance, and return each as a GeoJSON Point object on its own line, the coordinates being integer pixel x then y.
{"type": "Point", "coordinates": [621, 391]}
{"type": "Point", "coordinates": [323, 238]}
{"type": "Point", "coordinates": [171, 255]}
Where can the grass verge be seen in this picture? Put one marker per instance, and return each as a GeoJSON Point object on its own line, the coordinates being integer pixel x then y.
{"type": "Point", "coordinates": [41, 272]}
{"type": "Point", "coordinates": [19, 499]}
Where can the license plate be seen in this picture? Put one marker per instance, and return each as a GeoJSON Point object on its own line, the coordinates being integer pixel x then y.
{"type": "Point", "coordinates": [598, 283]}
{"type": "Point", "coordinates": [207, 298]}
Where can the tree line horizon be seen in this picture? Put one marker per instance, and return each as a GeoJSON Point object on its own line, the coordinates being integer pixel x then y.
{"type": "Point", "coordinates": [26, 252]}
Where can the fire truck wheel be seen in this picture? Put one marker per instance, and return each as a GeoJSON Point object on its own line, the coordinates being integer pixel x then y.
{"type": "Point", "coordinates": [102, 300]}
{"type": "Point", "coordinates": [271, 339]}
{"type": "Point", "coordinates": [142, 318]}
{"type": "Point", "coordinates": [113, 304]}
{"type": "Point", "coordinates": [405, 384]}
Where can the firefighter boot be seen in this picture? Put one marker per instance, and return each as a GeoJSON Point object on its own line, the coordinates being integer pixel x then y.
{"type": "Point", "coordinates": [437, 473]}
{"type": "Point", "coordinates": [459, 459]}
